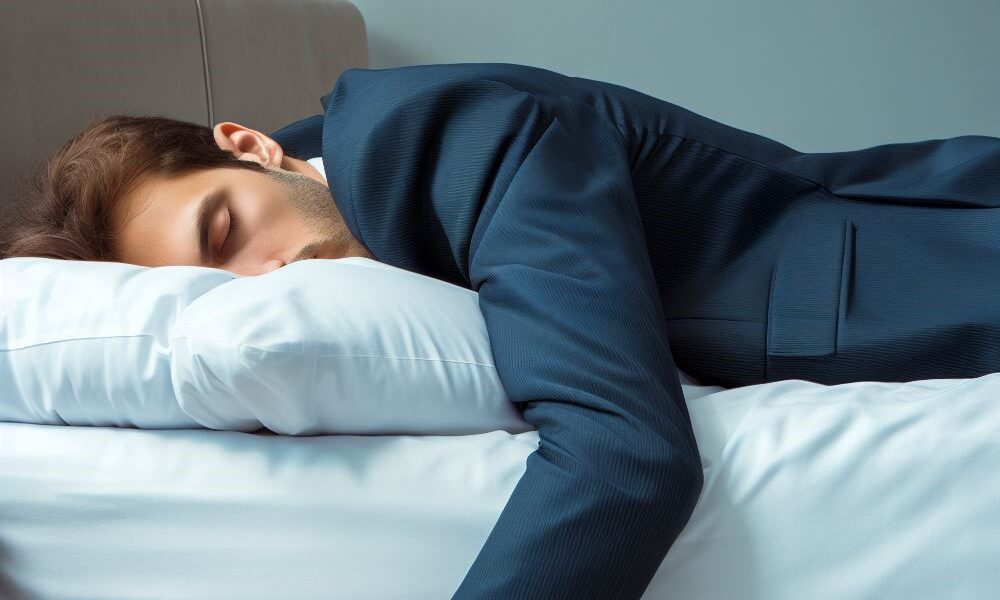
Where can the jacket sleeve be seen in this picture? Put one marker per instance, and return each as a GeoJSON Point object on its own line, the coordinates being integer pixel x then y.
{"type": "Point", "coordinates": [553, 243]}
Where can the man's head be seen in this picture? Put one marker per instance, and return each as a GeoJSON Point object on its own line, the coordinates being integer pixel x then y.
{"type": "Point", "coordinates": [154, 191]}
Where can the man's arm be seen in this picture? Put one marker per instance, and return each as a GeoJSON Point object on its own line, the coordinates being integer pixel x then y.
{"type": "Point", "coordinates": [579, 341]}
{"type": "Point", "coordinates": [533, 199]}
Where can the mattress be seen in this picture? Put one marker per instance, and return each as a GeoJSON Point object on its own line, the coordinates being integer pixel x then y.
{"type": "Point", "coordinates": [860, 490]}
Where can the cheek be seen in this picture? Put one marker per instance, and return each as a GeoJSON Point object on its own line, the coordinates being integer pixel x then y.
{"type": "Point", "coordinates": [269, 219]}
{"type": "Point", "coordinates": [268, 226]}
{"type": "Point", "coordinates": [265, 203]}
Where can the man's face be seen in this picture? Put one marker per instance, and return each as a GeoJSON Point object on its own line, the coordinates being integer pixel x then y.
{"type": "Point", "coordinates": [280, 217]}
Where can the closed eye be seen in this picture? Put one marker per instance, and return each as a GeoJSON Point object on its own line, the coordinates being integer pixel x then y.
{"type": "Point", "coordinates": [232, 228]}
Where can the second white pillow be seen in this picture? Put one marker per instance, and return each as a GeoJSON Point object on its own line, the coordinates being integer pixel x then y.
{"type": "Point", "coordinates": [351, 346]}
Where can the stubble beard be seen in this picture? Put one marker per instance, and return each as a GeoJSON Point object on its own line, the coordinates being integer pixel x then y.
{"type": "Point", "coordinates": [314, 202]}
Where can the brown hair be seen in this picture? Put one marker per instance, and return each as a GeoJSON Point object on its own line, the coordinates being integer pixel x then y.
{"type": "Point", "coordinates": [65, 211]}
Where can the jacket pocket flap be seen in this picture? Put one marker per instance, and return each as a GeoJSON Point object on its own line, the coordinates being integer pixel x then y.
{"type": "Point", "coordinates": [804, 306]}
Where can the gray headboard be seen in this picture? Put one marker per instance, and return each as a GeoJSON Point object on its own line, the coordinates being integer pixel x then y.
{"type": "Point", "coordinates": [263, 63]}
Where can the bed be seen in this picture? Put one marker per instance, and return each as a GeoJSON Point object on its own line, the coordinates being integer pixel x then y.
{"type": "Point", "coordinates": [860, 490]}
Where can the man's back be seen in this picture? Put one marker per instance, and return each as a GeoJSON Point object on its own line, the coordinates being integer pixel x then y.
{"type": "Point", "coordinates": [840, 266]}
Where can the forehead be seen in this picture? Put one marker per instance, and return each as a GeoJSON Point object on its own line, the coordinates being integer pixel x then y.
{"type": "Point", "coordinates": [155, 222]}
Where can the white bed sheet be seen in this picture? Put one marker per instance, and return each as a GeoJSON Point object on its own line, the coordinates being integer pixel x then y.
{"type": "Point", "coordinates": [863, 490]}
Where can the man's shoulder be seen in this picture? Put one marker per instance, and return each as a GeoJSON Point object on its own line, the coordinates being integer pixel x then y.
{"type": "Point", "coordinates": [400, 101]}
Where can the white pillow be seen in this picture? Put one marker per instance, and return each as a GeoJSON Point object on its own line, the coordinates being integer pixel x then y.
{"type": "Point", "coordinates": [350, 345]}
{"type": "Point", "coordinates": [320, 346]}
{"type": "Point", "coordinates": [87, 343]}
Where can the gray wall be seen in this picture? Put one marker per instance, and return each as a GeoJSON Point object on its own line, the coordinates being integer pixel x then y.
{"type": "Point", "coordinates": [817, 75]}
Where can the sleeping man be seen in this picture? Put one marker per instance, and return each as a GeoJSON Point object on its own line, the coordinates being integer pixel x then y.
{"type": "Point", "coordinates": [608, 233]}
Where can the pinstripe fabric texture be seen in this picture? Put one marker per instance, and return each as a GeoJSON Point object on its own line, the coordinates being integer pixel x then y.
{"type": "Point", "coordinates": [609, 234]}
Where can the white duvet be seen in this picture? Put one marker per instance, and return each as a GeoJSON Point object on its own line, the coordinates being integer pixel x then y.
{"type": "Point", "coordinates": [861, 490]}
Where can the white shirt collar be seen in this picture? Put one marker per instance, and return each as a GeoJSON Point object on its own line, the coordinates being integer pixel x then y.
{"type": "Point", "coordinates": [318, 163]}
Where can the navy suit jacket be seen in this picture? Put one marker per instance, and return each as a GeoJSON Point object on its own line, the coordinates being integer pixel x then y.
{"type": "Point", "coordinates": [609, 233]}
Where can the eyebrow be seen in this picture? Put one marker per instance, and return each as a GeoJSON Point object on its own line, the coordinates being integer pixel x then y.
{"type": "Point", "coordinates": [206, 208]}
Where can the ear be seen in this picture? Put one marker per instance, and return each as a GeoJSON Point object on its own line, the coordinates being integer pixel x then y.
{"type": "Point", "coordinates": [248, 144]}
